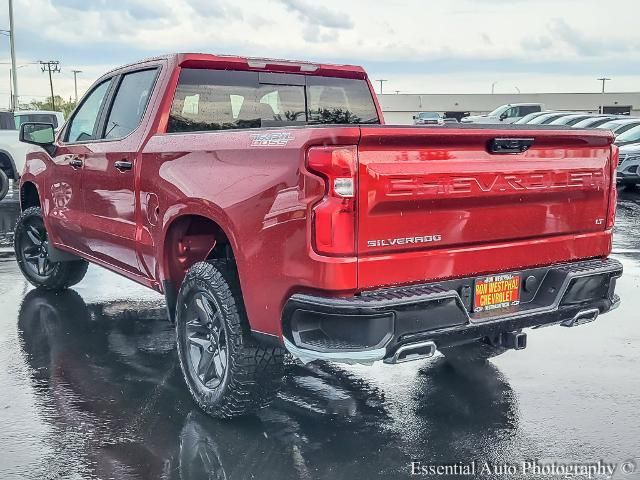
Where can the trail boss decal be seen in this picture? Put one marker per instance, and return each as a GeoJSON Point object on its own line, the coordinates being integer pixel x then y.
{"type": "Point", "coordinates": [278, 139]}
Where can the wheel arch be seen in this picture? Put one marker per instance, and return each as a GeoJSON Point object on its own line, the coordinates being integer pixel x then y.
{"type": "Point", "coordinates": [29, 195]}
{"type": "Point", "coordinates": [192, 236]}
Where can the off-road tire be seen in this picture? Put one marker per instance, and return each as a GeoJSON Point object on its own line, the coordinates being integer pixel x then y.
{"type": "Point", "coordinates": [62, 274]}
{"type": "Point", "coordinates": [253, 372]}
{"type": "Point", "coordinates": [4, 184]}
{"type": "Point", "coordinates": [475, 352]}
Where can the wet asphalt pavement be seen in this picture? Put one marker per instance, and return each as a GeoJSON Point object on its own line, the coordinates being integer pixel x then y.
{"type": "Point", "coordinates": [90, 388]}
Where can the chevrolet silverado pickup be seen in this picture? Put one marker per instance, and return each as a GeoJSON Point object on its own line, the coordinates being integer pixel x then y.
{"type": "Point", "coordinates": [274, 209]}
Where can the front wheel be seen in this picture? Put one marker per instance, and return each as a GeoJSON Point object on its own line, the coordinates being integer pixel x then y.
{"type": "Point", "coordinates": [31, 245]}
{"type": "Point", "coordinates": [228, 373]}
{"type": "Point", "coordinates": [4, 184]}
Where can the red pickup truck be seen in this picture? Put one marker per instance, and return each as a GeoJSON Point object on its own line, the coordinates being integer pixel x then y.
{"type": "Point", "coordinates": [276, 212]}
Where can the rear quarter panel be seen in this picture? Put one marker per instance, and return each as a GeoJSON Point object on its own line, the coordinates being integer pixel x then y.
{"type": "Point", "coordinates": [260, 195]}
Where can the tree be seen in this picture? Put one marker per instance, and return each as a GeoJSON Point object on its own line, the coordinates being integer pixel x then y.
{"type": "Point", "coordinates": [63, 106]}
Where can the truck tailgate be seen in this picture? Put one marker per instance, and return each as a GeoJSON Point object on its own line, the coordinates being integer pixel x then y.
{"type": "Point", "coordinates": [435, 190]}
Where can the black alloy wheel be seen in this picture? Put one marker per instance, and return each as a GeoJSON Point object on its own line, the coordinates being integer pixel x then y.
{"type": "Point", "coordinates": [34, 248]}
{"type": "Point", "coordinates": [208, 354]}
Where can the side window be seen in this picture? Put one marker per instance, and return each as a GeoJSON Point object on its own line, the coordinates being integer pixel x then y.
{"type": "Point", "coordinates": [130, 103]}
{"type": "Point", "coordinates": [84, 121]}
{"type": "Point", "coordinates": [527, 109]}
{"type": "Point", "coordinates": [512, 112]}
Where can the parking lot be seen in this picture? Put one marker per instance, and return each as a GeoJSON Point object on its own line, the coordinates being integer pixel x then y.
{"type": "Point", "coordinates": [92, 389]}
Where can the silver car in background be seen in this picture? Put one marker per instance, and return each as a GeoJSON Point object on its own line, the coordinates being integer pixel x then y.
{"type": "Point", "coordinates": [629, 165]}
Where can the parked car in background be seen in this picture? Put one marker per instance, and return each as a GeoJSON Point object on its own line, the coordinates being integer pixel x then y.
{"type": "Point", "coordinates": [531, 116]}
{"type": "Point", "coordinates": [450, 120]}
{"type": "Point", "coordinates": [620, 125]}
{"type": "Point", "coordinates": [630, 136]}
{"type": "Point", "coordinates": [508, 113]}
{"type": "Point", "coordinates": [12, 151]}
{"type": "Point", "coordinates": [629, 165]}
{"type": "Point", "coordinates": [570, 120]}
{"type": "Point", "coordinates": [428, 118]}
{"type": "Point", "coordinates": [594, 121]}
{"type": "Point", "coordinates": [41, 116]}
{"type": "Point", "coordinates": [547, 118]}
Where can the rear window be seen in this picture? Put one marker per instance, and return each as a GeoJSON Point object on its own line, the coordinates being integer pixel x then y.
{"type": "Point", "coordinates": [36, 117]}
{"type": "Point", "coordinates": [527, 109]}
{"type": "Point", "coordinates": [221, 100]}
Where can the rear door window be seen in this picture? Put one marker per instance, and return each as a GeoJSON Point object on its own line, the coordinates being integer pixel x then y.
{"type": "Point", "coordinates": [130, 103]}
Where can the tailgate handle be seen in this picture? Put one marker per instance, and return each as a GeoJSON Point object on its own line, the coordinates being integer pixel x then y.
{"type": "Point", "coordinates": [510, 145]}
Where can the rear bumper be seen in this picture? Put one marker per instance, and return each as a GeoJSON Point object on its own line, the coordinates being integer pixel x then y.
{"type": "Point", "coordinates": [374, 325]}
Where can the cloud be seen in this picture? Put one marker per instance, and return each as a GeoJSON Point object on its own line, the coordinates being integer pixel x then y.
{"type": "Point", "coordinates": [135, 9]}
{"type": "Point", "coordinates": [456, 39]}
{"type": "Point", "coordinates": [318, 15]}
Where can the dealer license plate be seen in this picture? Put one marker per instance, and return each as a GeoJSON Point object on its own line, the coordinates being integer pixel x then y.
{"type": "Point", "coordinates": [496, 292]}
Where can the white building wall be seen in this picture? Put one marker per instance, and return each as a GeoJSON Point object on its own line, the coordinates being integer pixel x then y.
{"type": "Point", "coordinates": [400, 108]}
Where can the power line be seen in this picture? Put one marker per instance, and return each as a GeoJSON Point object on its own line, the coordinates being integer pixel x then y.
{"type": "Point", "coordinates": [75, 82]}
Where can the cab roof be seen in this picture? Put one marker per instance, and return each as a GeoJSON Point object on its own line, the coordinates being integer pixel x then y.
{"type": "Point", "coordinates": [233, 62]}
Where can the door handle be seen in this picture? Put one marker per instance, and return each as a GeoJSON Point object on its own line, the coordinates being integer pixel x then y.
{"type": "Point", "coordinates": [75, 163]}
{"type": "Point", "coordinates": [123, 165]}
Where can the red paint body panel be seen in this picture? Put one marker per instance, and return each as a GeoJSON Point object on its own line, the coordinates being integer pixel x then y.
{"type": "Point", "coordinates": [491, 213]}
{"type": "Point", "coordinates": [446, 189]}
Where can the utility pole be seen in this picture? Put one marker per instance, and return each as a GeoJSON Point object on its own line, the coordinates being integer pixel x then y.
{"type": "Point", "coordinates": [52, 66]}
{"type": "Point", "coordinates": [75, 82]}
{"type": "Point", "coordinates": [14, 70]}
{"type": "Point", "coordinates": [603, 80]}
{"type": "Point", "coordinates": [381, 82]}
{"type": "Point", "coordinates": [493, 87]}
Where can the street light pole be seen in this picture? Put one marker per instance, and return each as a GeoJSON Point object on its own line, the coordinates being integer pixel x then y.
{"type": "Point", "coordinates": [381, 82]}
{"type": "Point", "coordinates": [75, 82]}
{"type": "Point", "coordinates": [14, 70]}
{"type": "Point", "coordinates": [603, 80]}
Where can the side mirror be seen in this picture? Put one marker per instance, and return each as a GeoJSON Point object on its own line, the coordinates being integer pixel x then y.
{"type": "Point", "coordinates": [37, 133]}
{"type": "Point", "coordinates": [504, 115]}
{"type": "Point", "coordinates": [414, 117]}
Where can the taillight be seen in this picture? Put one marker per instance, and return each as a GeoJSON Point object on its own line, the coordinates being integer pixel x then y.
{"type": "Point", "coordinates": [613, 192]}
{"type": "Point", "coordinates": [334, 217]}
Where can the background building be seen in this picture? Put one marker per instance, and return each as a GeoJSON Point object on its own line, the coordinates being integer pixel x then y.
{"type": "Point", "coordinates": [400, 108]}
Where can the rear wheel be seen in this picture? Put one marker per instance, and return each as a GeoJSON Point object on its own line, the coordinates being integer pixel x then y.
{"type": "Point", "coordinates": [31, 246]}
{"type": "Point", "coordinates": [4, 184]}
{"type": "Point", "coordinates": [228, 373]}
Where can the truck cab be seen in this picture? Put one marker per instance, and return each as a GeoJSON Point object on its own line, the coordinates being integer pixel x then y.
{"type": "Point", "coordinates": [508, 113]}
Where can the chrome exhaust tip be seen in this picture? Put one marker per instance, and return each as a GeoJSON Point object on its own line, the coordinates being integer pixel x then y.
{"type": "Point", "coordinates": [413, 351]}
{"type": "Point", "coordinates": [514, 340]}
{"type": "Point", "coordinates": [582, 317]}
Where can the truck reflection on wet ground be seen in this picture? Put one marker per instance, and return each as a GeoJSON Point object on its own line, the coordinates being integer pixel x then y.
{"type": "Point", "coordinates": [110, 391]}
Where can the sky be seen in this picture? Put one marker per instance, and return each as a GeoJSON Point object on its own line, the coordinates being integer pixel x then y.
{"type": "Point", "coordinates": [418, 46]}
